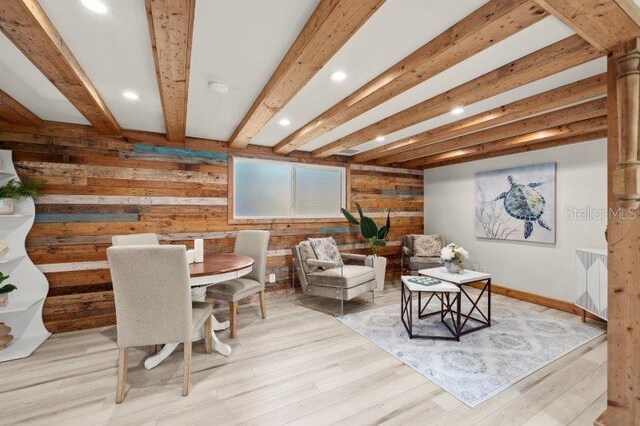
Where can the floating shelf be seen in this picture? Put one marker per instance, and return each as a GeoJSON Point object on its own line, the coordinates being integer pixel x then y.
{"type": "Point", "coordinates": [22, 346]}
{"type": "Point", "coordinates": [6, 175]}
{"type": "Point", "coordinates": [19, 304]}
{"type": "Point", "coordinates": [11, 259]}
{"type": "Point", "coordinates": [11, 221]}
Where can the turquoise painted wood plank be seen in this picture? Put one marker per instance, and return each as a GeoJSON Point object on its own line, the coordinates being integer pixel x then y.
{"type": "Point", "coordinates": [338, 229]}
{"type": "Point", "coordinates": [86, 217]}
{"type": "Point", "coordinates": [401, 192]}
{"type": "Point", "coordinates": [180, 152]}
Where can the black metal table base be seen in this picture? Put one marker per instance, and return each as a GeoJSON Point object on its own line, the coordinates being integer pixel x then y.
{"type": "Point", "coordinates": [446, 308]}
{"type": "Point", "coordinates": [450, 308]}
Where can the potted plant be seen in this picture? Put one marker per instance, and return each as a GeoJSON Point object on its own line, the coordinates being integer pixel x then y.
{"type": "Point", "coordinates": [453, 258]}
{"type": "Point", "coordinates": [15, 190]}
{"type": "Point", "coordinates": [376, 237]}
{"type": "Point", "coordinates": [5, 290]}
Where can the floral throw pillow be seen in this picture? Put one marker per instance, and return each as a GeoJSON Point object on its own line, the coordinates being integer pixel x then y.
{"type": "Point", "coordinates": [428, 245]}
{"type": "Point", "coordinates": [326, 249]}
{"type": "Point", "coordinates": [306, 252]}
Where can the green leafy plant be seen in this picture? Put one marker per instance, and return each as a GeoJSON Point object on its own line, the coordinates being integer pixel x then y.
{"type": "Point", "coordinates": [7, 288]}
{"type": "Point", "coordinates": [15, 189]}
{"type": "Point", "coordinates": [375, 236]}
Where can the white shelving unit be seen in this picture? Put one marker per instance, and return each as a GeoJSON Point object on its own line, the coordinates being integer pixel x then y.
{"type": "Point", "coordinates": [24, 312]}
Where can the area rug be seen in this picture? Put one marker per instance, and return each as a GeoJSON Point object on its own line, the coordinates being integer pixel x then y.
{"type": "Point", "coordinates": [519, 342]}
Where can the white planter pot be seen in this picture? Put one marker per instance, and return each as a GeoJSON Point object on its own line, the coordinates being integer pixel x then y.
{"type": "Point", "coordinates": [6, 206]}
{"type": "Point", "coordinates": [379, 264]}
{"type": "Point", "coordinates": [4, 299]}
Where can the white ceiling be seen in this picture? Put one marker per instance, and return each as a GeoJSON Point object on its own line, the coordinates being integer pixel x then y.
{"type": "Point", "coordinates": [242, 42]}
{"type": "Point", "coordinates": [397, 29]}
{"type": "Point", "coordinates": [25, 83]}
{"type": "Point", "coordinates": [115, 51]}
{"type": "Point", "coordinates": [533, 38]}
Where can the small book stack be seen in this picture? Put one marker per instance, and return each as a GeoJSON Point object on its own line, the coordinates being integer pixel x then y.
{"type": "Point", "coordinates": [426, 281]}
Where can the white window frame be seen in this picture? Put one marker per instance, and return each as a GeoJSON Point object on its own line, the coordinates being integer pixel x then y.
{"type": "Point", "coordinates": [293, 166]}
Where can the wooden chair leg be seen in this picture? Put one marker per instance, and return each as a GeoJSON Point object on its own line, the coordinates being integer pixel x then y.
{"type": "Point", "coordinates": [187, 368]}
{"type": "Point", "coordinates": [123, 361]}
{"type": "Point", "coordinates": [233, 318]}
{"type": "Point", "coordinates": [263, 308]}
{"type": "Point", "coordinates": [208, 338]}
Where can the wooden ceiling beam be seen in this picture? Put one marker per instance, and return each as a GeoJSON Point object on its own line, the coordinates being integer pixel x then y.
{"type": "Point", "coordinates": [562, 96]}
{"type": "Point", "coordinates": [565, 134]}
{"type": "Point", "coordinates": [171, 32]}
{"type": "Point", "coordinates": [603, 23]}
{"type": "Point", "coordinates": [26, 24]}
{"type": "Point", "coordinates": [14, 112]}
{"type": "Point", "coordinates": [552, 59]}
{"type": "Point", "coordinates": [486, 26]}
{"type": "Point", "coordinates": [584, 111]}
{"type": "Point", "coordinates": [330, 26]}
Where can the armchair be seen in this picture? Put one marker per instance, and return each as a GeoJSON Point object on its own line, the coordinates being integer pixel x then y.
{"type": "Point", "coordinates": [412, 262]}
{"type": "Point", "coordinates": [324, 279]}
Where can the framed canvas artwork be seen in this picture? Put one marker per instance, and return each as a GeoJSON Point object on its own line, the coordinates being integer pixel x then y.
{"type": "Point", "coordinates": [517, 204]}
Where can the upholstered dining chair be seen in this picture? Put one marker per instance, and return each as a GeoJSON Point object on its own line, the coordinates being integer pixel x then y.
{"type": "Point", "coordinates": [153, 303]}
{"type": "Point", "coordinates": [135, 239]}
{"type": "Point", "coordinates": [253, 244]}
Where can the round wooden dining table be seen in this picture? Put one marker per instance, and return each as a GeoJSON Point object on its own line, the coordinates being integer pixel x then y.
{"type": "Point", "coordinates": [215, 268]}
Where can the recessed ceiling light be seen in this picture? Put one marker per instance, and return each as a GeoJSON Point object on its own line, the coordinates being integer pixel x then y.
{"type": "Point", "coordinates": [457, 111]}
{"type": "Point", "coordinates": [218, 86]}
{"type": "Point", "coordinates": [284, 122]}
{"type": "Point", "coordinates": [338, 76]}
{"type": "Point", "coordinates": [380, 139]}
{"type": "Point", "coordinates": [132, 96]}
{"type": "Point", "coordinates": [95, 6]}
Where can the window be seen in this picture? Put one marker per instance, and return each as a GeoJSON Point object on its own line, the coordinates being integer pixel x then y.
{"type": "Point", "coordinates": [264, 189]}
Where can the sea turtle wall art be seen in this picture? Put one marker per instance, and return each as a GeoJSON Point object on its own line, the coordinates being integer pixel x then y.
{"type": "Point", "coordinates": [517, 204]}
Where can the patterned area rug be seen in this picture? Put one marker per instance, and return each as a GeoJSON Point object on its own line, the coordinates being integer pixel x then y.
{"type": "Point", "coordinates": [486, 362]}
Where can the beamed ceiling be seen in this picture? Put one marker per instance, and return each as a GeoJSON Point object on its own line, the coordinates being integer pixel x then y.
{"type": "Point", "coordinates": [528, 73]}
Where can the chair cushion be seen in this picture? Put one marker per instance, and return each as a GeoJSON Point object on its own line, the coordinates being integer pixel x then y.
{"type": "Point", "coordinates": [306, 253]}
{"type": "Point", "coordinates": [200, 311]}
{"type": "Point", "coordinates": [347, 276]}
{"type": "Point", "coordinates": [326, 249]}
{"type": "Point", "coordinates": [416, 262]}
{"type": "Point", "coordinates": [428, 245]}
{"type": "Point", "coordinates": [234, 290]}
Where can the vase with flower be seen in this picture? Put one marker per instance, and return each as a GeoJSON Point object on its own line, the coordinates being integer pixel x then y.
{"type": "Point", "coordinates": [453, 257]}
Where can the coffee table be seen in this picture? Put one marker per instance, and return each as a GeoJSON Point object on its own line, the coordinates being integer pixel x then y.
{"type": "Point", "coordinates": [441, 291]}
{"type": "Point", "coordinates": [466, 278]}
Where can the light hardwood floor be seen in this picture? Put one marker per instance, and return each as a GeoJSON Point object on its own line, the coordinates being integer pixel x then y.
{"type": "Point", "coordinates": [298, 366]}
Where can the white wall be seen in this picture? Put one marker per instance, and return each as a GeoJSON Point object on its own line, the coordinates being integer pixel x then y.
{"type": "Point", "coordinates": [542, 269]}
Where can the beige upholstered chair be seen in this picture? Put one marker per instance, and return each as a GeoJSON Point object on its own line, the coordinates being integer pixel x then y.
{"type": "Point", "coordinates": [322, 278]}
{"type": "Point", "coordinates": [253, 244]}
{"type": "Point", "coordinates": [153, 303]}
{"type": "Point", "coordinates": [412, 263]}
{"type": "Point", "coordinates": [135, 239]}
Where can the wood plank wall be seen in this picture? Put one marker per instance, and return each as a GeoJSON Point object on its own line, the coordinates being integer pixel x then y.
{"type": "Point", "coordinates": [99, 187]}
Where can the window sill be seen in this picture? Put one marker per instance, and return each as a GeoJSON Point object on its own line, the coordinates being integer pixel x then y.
{"type": "Point", "coordinates": [286, 220]}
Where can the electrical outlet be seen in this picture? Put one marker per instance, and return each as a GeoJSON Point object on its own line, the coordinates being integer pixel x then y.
{"type": "Point", "coordinates": [272, 278]}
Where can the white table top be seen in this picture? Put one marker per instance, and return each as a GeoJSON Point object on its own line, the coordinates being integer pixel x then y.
{"type": "Point", "coordinates": [443, 287]}
{"type": "Point", "coordinates": [464, 277]}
